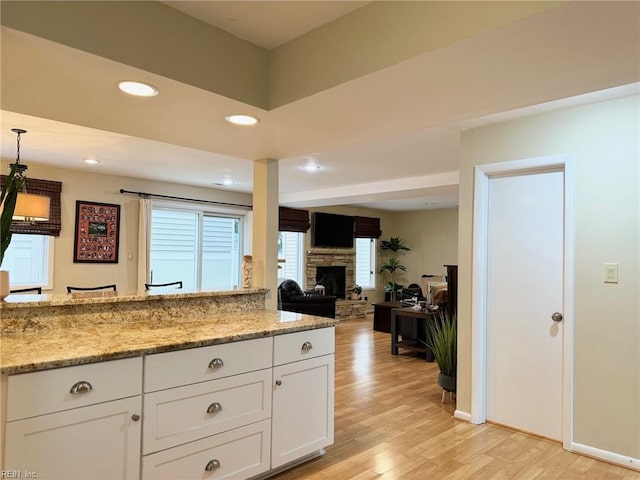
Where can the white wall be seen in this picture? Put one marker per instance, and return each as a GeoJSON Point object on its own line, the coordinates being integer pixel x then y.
{"type": "Point", "coordinates": [78, 185]}
{"type": "Point", "coordinates": [605, 140]}
{"type": "Point", "coordinates": [432, 236]}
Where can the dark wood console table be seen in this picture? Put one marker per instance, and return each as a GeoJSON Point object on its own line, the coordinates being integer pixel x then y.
{"type": "Point", "coordinates": [382, 316]}
{"type": "Point", "coordinates": [418, 340]}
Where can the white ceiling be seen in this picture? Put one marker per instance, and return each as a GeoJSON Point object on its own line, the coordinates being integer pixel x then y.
{"type": "Point", "coordinates": [265, 23]}
{"type": "Point", "coordinates": [388, 140]}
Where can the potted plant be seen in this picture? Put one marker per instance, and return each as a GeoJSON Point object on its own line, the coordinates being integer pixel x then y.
{"type": "Point", "coordinates": [392, 265]}
{"type": "Point", "coordinates": [355, 292]}
{"type": "Point", "coordinates": [443, 342]}
{"type": "Point", "coordinates": [10, 189]}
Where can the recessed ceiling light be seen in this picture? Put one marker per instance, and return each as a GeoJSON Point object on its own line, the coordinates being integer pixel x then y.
{"type": "Point", "coordinates": [225, 182]}
{"type": "Point", "coordinates": [241, 119]}
{"type": "Point", "coordinates": [310, 167]}
{"type": "Point", "coordinates": [138, 88]}
{"type": "Point", "coordinates": [91, 161]}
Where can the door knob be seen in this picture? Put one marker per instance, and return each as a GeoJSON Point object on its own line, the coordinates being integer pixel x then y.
{"type": "Point", "coordinates": [556, 317]}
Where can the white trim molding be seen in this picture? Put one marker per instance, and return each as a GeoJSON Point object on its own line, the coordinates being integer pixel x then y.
{"type": "Point", "coordinates": [598, 454]}
{"type": "Point", "coordinates": [460, 415]}
{"type": "Point", "coordinates": [479, 293]}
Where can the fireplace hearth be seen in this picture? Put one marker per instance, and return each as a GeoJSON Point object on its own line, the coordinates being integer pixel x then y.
{"type": "Point", "coordinates": [333, 279]}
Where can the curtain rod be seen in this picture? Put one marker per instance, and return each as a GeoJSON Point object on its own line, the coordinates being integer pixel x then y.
{"type": "Point", "coordinates": [156, 195]}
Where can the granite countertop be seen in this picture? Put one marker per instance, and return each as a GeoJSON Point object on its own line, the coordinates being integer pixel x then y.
{"type": "Point", "coordinates": [34, 350]}
{"type": "Point", "coordinates": [17, 301]}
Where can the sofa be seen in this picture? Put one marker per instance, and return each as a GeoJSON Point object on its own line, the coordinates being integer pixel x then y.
{"type": "Point", "coordinates": [291, 298]}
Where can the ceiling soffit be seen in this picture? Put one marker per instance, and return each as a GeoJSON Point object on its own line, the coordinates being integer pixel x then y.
{"type": "Point", "coordinates": [161, 40]}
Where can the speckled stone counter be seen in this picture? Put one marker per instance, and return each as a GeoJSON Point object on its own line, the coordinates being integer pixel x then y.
{"type": "Point", "coordinates": [57, 332]}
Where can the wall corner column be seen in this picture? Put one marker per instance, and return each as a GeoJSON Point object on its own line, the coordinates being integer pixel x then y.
{"type": "Point", "coordinates": [265, 229]}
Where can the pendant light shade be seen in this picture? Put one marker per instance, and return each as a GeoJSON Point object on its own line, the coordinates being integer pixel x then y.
{"type": "Point", "coordinates": [31, 208]}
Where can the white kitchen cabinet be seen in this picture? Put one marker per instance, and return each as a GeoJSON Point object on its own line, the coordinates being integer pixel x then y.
{"type": "Point", "coordinates": [303, 396]}
{"type": "Point", "coordinates": [96, 442]}
{"type": "Point", "coordinates": [235, 410]}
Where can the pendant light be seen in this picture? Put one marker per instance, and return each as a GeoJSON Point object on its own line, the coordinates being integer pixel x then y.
{"type": "Point", "coordinates": [29, 207]}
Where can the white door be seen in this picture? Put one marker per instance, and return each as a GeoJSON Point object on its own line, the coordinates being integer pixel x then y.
{"type": "Point", "coordinates": [524, 288]}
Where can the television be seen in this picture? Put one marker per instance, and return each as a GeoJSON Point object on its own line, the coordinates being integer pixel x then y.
{"type": "Point", "coordinates": [331, 230]}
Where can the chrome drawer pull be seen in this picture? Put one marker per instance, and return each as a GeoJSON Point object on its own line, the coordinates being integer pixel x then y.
{"type": "Point", "coordinates": [216, 363]}
{"type": "Point", "coordinates": [306, 346]}
{"type": "Point", "coordinates": [212, 465]}
{"type": "Point", "coordinates": [80, 387]}
{"type": "Point", "coordinates": [214, 408]}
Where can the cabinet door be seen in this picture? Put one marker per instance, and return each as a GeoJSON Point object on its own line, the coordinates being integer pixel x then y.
{"type": "Point", "coordinates": [96, 442]}
{"type": "Point", "coordinates": [302, 421]}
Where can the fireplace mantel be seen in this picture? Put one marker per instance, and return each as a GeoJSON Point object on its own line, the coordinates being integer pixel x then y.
{"type": "Point", "coordinates": [331, 251]}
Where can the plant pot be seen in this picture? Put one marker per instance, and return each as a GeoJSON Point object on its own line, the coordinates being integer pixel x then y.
{"type": "Point", "coordinates": [447, 383]}
{"type": "Point", "coordinates": [355, 296]}
{"type": "Point", "coordinates": [4, 283]}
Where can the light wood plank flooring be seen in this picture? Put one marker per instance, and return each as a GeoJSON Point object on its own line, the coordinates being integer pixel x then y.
{"type": "Point", "coordinates": [390, 424]}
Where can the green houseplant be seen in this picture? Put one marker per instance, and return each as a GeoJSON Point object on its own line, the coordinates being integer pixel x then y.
{"type": "Point", "coordinates": [10, 189]}
{"type": "Point", "coordinates": [444, 345]}
{"type": "Point", "coordinates": [13, 184]}
{"type": "Point", "coordinates": [392, 265]}
{"type": "Point", "coordinates": [356, 292]}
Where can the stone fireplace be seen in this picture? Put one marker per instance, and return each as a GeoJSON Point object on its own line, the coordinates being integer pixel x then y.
{"type": "Point", "coordinates": [331, 257]}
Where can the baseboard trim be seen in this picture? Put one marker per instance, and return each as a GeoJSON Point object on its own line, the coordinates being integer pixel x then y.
{"type": "Point", "coordinates": [460, 415]}
{"type": "Point", "coordinates": [606, 456]}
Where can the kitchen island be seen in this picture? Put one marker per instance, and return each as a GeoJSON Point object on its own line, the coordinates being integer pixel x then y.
{"type": "Point", "coordinates": [163, 385]}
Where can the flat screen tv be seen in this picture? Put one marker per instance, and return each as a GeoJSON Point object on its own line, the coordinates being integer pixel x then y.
{"type": "Point", "coordinates": [330, 230]}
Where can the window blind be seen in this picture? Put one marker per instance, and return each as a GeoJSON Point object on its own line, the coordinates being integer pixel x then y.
{"type": "Point", "coordinates": [293, 220]}
{"type": "Point", "coordinates": [367, 227]}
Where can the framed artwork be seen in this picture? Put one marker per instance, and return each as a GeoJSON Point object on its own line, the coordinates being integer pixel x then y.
{"type": "Point", "coordinates": [97, 232]}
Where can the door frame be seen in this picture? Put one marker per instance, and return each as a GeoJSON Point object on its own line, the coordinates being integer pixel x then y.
{"type": "Point", "coordinates": [483, 174]}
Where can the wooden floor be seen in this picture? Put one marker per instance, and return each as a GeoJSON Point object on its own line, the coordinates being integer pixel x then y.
{"type": "Point", "coordinates": [390, 424]}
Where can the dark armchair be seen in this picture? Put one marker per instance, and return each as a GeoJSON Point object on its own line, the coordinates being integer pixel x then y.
{"type": "Point", "coordinates": [291, 298]}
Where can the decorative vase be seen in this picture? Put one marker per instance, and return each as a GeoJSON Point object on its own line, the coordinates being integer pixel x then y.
{"type": "Point", "coordinates": [247, 271]}
{"type": "Point", "coordinates": [4, 284]}
{"type": "Point", "coordinates": [447, 383]}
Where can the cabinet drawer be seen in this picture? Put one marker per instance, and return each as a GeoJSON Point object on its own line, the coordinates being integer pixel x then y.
{"type": "Point", "coordinates": [237, 454]}
{"type": "Point", "coordinates": [184, 414]}
{"type": "Point", "coordinates": [37, 393]}
{"type": "Point", "coordinates": [302, 345]}
{"type": "Point", "coordinates": [184, 367]}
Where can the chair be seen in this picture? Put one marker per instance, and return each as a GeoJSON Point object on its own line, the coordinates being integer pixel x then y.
{"type": "Point", "coordinates": [37, 290]}
{"type": "Point", "coordinates": [291, 298]}
{"type": "Point", "coordinates": [434, 287]}
{"type": "Point", "coordinates": [86, 289]}
{"type": "Point", "coordinates": [148, 286]}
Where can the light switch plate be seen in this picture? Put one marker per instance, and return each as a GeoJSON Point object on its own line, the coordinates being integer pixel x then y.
{"type": "Point", "coordinates": [610, 273]}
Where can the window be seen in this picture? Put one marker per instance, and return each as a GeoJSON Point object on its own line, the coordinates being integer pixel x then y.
{"type": "Point", "coordinates": [290, 250]}
{"type": "Point", "coordinates": [366, 262]}
{"type": "Point", "coordinates": [29, 259]}
{"type": "Point", "coordinates": [200, 248]}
